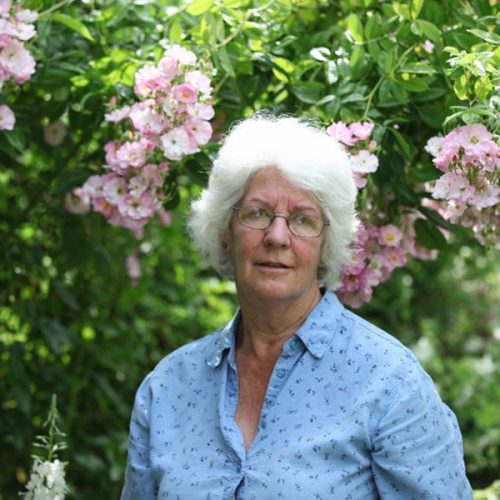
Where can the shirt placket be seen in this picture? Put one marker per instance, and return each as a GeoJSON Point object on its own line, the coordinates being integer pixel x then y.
{"type": "Point", "coordinates": [292, 352]}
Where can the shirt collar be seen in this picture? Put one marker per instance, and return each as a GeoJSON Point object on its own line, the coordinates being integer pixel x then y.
{"type": "Point", "coordinates": [320, 326]}
{"type": "Point", "coordinates": [316, 332]}
{"type": "Point", "coordinates": [224, 340]}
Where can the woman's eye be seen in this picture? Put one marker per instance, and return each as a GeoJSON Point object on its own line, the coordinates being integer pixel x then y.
{"type": "Point", "coordinates": [302, 220]}
{"type": "Point", "coordinates": [258, 213]}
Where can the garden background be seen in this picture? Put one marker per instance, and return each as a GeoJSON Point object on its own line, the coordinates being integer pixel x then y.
{"type": "Point", "coordinates": [88, 307]}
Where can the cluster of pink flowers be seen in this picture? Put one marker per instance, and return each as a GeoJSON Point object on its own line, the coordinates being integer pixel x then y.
{"type": "Point", "coordinates": [355, 138]}
{"type": "Point", "coordinates": [470, 159]}
{"type": "Point", "coordinates": [170, 121]}
{"type": "Point", "coordinates": [16, 63]}
{"type": "Point", "coordinates": [378, 251]}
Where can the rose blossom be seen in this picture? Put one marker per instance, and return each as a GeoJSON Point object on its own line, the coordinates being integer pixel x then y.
{"type": "Point", "coordinates": [133, 154]}
{"type": "Point", "coordinates": [361, 130]}
{"type": "Point", "coordinates": [168, 67]}
{"type": "Point", "coordinates": [364, 162]}
{"type": "Point", "coordinates": [177, 143]}
{"type": "Point", "coordinates": [200, 130]}
{"type": "Point", "coordinates": [133, 266]}
{"type": "Point", "coordinates": [7, 118]}
{"type": "Point", "coordinates": [145, 119]}
{"type": "Point", "coordinates": [390, 235]}
{"type": "Point", "coordinates": [114, 189]}
{"type": "Point", "coordinates": [201, 110]}
{"type": "Point", "coordinates": [199, 81]}
{"type": "Point", "coordinates": [184, 93]}
{"type": "Point", "coordinates": [136, 208]}
{"type": "Point", "coordinates": [54, 133]}
{"type": "Point", "coordinates": [341, 133]}
{"type": "Point", "coordinates": [18, 61]}
{"type": "Point", "coordinates": [428, 46]}
{"type": "Point", "coordinates": [181, 54]}
{"type": "Point", "coordinates": [117, 115]}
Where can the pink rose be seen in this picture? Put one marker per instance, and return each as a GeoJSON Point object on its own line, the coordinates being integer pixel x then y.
{"type": "Point", "coordinates": [341, 133]}
{"type": "Point", "coordinates": [390, 235]}
{"type": "Point", "coordinates": [361, 130]}
{"type": "Point", "coordinates": [15, 59]}
{"type": "Point", "coordinates": [7, 118]}
{"type": "Point", "coordinates": [184, 93]}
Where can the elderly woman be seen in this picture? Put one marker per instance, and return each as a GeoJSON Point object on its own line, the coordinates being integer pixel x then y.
{"type": "Point", "coordinates": [296, 397]}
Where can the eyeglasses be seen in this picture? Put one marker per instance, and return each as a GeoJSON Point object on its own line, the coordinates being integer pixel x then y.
{"type": "Point", "coordinates": [300, 224]}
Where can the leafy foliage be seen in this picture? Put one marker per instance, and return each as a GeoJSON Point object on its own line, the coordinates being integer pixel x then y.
{"type": "Point", "coordinates": [73, 323]}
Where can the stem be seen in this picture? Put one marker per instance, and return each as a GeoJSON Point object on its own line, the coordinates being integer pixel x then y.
{"type": "Point", "coordinates": [240, 27]}
{"type": "Point", "coordinates": [54, 7]}
{"type": "Point", "coordinates": [370, 97]}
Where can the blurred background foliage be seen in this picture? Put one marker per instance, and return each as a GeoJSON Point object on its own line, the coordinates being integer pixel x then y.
{"type": "Point", "coordinates": [73, 323]}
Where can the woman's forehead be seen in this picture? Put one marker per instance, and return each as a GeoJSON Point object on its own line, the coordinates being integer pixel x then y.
{"type": "Point", "coordinates": [270, 186]}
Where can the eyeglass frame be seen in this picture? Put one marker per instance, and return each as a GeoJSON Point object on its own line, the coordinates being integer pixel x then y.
{"type": "Point", "coordinates": [275, 216]}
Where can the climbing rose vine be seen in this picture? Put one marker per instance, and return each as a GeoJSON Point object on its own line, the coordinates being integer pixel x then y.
{"type": "Point", "coordinates": [170, 121]}
{"type": "Point", "coordinates": [469, 158]}
{"type": "Point", "coordinates": [16, 63]}
{"type": "Point", "coordinates": [379, 246]}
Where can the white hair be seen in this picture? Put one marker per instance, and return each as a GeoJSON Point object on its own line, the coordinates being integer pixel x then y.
{"type": "Point", "coordinates": [307, 156]}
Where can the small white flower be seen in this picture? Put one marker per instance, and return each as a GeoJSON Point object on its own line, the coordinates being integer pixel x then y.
{"type": "Point", "coordinates": [47, 481]}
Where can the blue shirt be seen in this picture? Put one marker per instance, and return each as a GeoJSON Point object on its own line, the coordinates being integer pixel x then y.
{"type": "Point", "coordinates": [349, 413]}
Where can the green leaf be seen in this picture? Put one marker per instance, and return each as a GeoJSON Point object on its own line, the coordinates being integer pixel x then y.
{"type": "Point", "coordinates": [432, 114]}
{"type": "Point", "coordinates": [483, 88]}
{"type": "Point", "coordinates": [416, 7]}
{"type": "Point", "coordinates": [419, 67]}
{"type": "Point", "coordinates": [283, 64]}
{"type": "Point", "coordinates": [372, 27]}
{"type": "Point", "coordinates": [407, 148]}
{"type": "Point", "coordinates": [461, 88]}
{"type": "Point", "coordinates": [235, 4]}
{"type": "Point", "coordinates": [470, 111]}
{"type": "Point", "coordinates": [414, 85]}
{"type": "Point", "coordinates": [428, 29]}
{"type": "Point", "coordinates": [198, 7]}
{"type": "Point", "coordinates": [487, 36]}
{"type": "Point", "coordinates": [73, 24]}
{"type": "Point", "coordinates": [55, 334]}
{"type": "Point", "coordinates": [225, 61]}
{"type": "Point", "coordinates": [175, 32]}
{"type": "Point", "coordinates": [308, 92]}
{"type": "Point", "coordinates": [126, 35]}
{"type": "Point", "coordinates": [401, 10]}
{"type": "Point", "coordinates": [16, 139]}
{"type": "Point", "coordinates": [355, 27]}
{"type": "Point", "coordinates": [354, 97]}
{"type": "Point", "coordinates": [429, 236]}
{"type": "Point", "coordinates": [435, 217]}
{"type": "Point", "coordinates": [357, 61]}
{"type": "Point", "coordinates": [66, 296]}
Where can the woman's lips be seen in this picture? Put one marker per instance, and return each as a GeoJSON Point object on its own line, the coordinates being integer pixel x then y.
{"type": "Point", "coordinates": [273, 265]}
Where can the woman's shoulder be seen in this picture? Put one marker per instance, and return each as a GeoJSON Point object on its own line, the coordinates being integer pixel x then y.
{"type": "Point", "coordinates": [377, 347]}
{"type": "Point", "coordinates": [194, 353]}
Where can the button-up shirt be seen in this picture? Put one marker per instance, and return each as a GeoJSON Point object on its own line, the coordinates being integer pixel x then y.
{"type": "Point", "coordinates": [349, 413]}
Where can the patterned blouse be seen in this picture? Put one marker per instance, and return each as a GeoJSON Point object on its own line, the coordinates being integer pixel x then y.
{"type": "Point", "coordinates": [349, 413]}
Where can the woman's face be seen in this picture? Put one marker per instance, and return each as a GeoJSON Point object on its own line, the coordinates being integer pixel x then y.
{"type": "Point", "coordinates": [273, 264]}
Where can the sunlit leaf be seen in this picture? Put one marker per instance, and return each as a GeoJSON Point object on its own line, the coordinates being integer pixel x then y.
{"type": "Point", "coordinates": [355, 27]}
{"type": "Point", "coordinates": [73, 24]}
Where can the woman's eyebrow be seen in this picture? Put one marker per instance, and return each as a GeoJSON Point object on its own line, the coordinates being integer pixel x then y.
{"type": "Point", "coordinates": [297, 208]}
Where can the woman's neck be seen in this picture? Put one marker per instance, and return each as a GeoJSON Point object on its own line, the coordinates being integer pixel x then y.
{"type": "Point", "coordinates": [266, 325]}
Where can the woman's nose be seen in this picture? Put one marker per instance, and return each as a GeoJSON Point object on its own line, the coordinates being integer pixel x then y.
{"type": "Point", "coordinates": [278, 234]}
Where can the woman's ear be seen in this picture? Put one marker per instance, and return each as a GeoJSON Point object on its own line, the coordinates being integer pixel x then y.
{"type": "Point", "coordinates": [224, 240]}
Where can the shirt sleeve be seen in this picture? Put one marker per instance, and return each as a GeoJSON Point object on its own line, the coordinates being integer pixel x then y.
{"type": "Point", "coordinates": [139, 481]}
{"type": "Point", "coordinates": [417, 448]}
